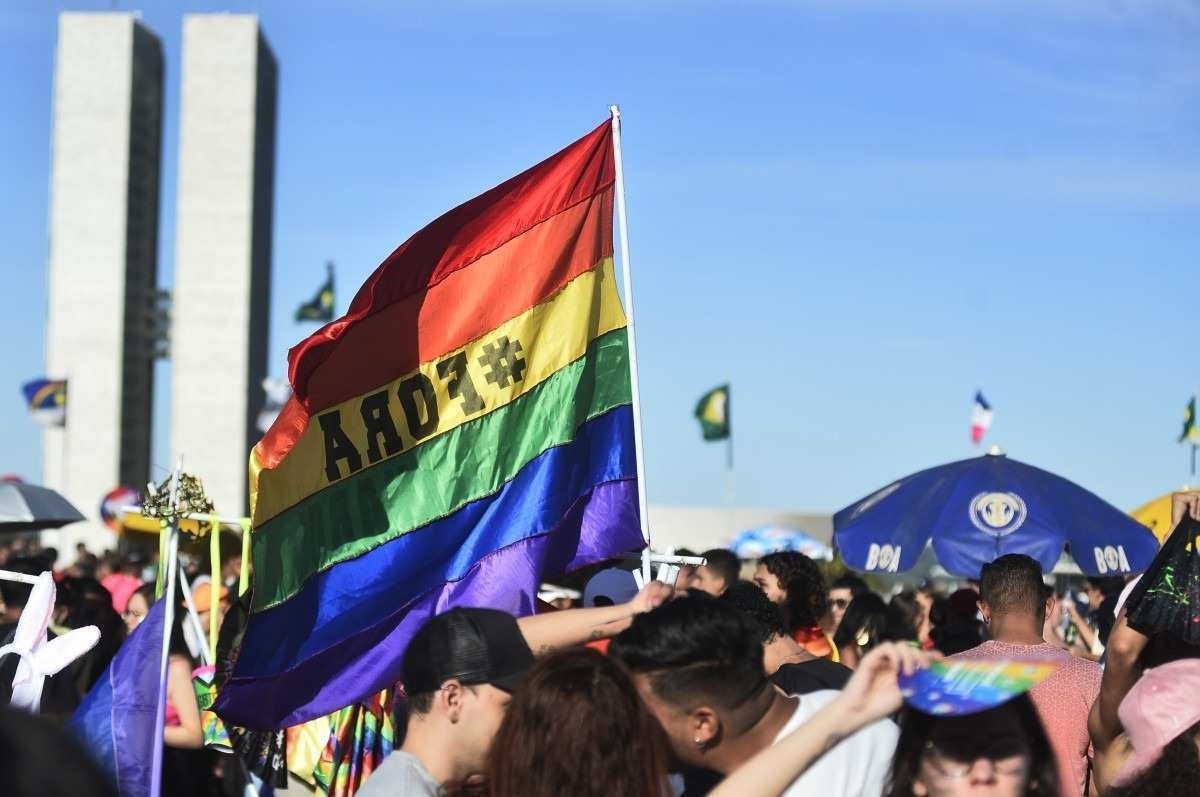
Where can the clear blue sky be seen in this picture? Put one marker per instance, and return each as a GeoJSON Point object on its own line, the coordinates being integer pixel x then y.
{"type": "Point", "coordinates": [856, 212]}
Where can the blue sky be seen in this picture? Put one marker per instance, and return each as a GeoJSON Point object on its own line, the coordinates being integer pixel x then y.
{"type": "Point", "coordinates": [857, 213]}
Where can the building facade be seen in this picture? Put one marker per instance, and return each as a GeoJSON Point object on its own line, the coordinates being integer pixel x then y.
{"type": "Point", "coordinates": [103, 265]}
{"type": "Point", "coordinates": [220, 310]}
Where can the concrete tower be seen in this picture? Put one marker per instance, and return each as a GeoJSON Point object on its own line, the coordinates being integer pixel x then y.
{"type": "Point", "coordinates": [108, 99]}
{"type": "Point", "coordinates": [223, 249]}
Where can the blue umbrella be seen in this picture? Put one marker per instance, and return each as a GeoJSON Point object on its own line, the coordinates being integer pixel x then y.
{"type": "Point", "coordinates": [758, 542]}
{"type": "Point", "coordinates": [978, 509]}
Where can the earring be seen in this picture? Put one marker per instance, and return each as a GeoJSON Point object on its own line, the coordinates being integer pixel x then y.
{"type": "Point", "coordinates": [699, 744]}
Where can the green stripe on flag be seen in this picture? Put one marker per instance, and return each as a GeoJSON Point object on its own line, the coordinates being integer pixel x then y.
{"type": "Point", "coordinates": [434, 480]}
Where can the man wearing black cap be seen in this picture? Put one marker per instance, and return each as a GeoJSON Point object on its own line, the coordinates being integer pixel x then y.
{"type": "Point", "coordinates": [459, 672]}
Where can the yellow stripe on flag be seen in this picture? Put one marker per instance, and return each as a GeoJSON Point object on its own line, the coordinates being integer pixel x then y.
{"type": "Point", "coordinates": [441, 394]}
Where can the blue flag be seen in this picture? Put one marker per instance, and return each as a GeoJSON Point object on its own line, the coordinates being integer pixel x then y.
{"type": "Point", "coordinates": [47, 400]}
{"type": "Point", "coordinates": [120, 721]}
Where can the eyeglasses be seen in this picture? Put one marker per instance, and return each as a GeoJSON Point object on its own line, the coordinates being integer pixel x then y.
{"type": "Point", "coordinates": [951, 768]}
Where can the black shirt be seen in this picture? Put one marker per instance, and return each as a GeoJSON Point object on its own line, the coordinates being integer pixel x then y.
{"type": "Point", "coordinates": [811, 676]}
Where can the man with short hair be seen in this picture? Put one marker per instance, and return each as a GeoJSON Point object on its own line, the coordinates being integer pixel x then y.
{"type": "Point", "coordinates": [459, 671]}
{"type": "Point", "coordinates": [1013, 602]}
{"type": "Point", "coordinates": [719, 571]}
{"type": "Point", "coordinates": [698, 666]}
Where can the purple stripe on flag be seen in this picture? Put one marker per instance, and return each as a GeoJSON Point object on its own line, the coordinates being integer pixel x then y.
{"type": "Point", "coordinates": [118, 720]}
{"type": "Point", "coordinates": [597, 527]}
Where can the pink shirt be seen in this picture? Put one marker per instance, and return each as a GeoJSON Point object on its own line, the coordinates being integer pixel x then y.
{"type": "Point", "coordinates": [1063, 701]}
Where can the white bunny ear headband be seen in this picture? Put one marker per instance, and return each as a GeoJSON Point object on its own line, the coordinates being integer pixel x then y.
{"type": "Point", "coordinates": [41, 657]}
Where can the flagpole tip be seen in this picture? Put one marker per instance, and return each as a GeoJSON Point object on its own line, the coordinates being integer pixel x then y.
{"type": "Point", "coordinates": [615, 110]}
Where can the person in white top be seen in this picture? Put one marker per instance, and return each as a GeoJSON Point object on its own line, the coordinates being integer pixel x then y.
{"type": "Point", "coordinates": [698, 666]}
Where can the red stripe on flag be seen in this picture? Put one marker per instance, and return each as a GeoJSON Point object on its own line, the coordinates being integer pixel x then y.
{"type": "Point", "coordinates": [460, 237]}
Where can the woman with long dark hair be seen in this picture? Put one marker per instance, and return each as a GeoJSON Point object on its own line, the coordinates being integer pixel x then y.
{"type": "Point", "coordinates": [1001, 752]}
{"type": "Point", "coordinates": [577, 727]}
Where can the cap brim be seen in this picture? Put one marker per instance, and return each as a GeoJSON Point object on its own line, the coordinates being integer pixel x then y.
{"type": "Point", "coordinates": [510, 682]}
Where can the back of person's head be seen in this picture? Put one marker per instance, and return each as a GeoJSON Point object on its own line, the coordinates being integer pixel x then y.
{"type": "Point", "coordinates": [869, 621]}
{"type": "Point", "coordinates": [851, 582]}
{"type": "Point", "coordinates": [905, 609]}
{"type": "Point", "coordinates": [576, 726]}
{"type": "Point", "coordinates": [1107, 586]}
{"type": "Point", "coordinates": [952, 631]}
{"type": "Point", "coordinates": [931, 747]}
{"type": "Point", "coordinates": [723, 564]}
{"type": "Point", "coordinates": [756, 607]}
{"type": "Point", "coordinates": [38, 759]}
{"type": "Point", "coordinates": [697, 651]}
{"type": "Point", "coordinates": [1013, 585]}
{"type": "Point", "coordinates": [16, 593]}
{"type": "Point", "coordinates": [807, 598]}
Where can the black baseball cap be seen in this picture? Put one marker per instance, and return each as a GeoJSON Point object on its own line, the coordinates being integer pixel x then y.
{"type": "Point", "coordinates": [473, 646]}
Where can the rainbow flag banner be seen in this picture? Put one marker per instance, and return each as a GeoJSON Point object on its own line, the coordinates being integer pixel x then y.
{"type": "Point", "coordinates": [462, 433]}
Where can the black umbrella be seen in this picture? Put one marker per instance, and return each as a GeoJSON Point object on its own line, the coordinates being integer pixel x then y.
{"type": "Point", "coordinates": [27, 507]}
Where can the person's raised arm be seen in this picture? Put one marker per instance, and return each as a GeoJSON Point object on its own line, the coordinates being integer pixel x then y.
{"type": "Point", "coordinates": [871, 694]}
{"type": "Point", "coordinates": [546, 633]}
{"type": "Point", "coordinates": [1120, 674]}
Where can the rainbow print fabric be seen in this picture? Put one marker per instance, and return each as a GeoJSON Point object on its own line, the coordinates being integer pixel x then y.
{"type": "Point", "coordinates": [463, 431]}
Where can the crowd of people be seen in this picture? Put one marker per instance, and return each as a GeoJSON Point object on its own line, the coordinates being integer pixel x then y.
{"type": "Point", "coordinates": [782, 683]}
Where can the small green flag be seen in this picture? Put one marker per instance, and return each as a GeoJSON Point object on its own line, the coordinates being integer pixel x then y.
{"type": "Point", "coordinates": [1191, 432]}
{"type": "Point", "coordinates": [321, 306]}
{"type": "Point", "coordinates": [713, 413]}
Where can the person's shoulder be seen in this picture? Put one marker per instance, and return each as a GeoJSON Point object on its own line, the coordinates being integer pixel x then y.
{"type": "Point", "coordinates": [400, 773]}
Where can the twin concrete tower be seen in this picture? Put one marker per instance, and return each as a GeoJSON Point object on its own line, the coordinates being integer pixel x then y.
{"type": "Point", "coordinates": [107, 318]}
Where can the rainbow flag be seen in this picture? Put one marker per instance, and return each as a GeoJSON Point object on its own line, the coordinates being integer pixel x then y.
{"type": "Point", "coordinates": [463, 432]}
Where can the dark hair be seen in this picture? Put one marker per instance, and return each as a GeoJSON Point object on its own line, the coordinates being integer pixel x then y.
{"type": "Point", "coordinates": [1108, 586]}
{"type": "Point", "coordinates": [904, 607]}
{"type": "Point", "coordinates": [178, 647]}
{"type": "Point", "coordinates": [723, 563]}
{"type": "Point", "coordinates": [1013, 584]}
{"type": "Point", "coordinates": [851, 582]}
{"type": "Point", "coordinates": [917, 728]}
{"type": "Point", "coordinates": [952, 631]}
{"type": "Point", "coordinates": [807, 595]}
{"type": "Point", "coordinates": [697, 651]}
{"type": "Point", "coordinates": [869, 620]}
{"type": "Point", "coordinates": [1174, 772]}
{"type": "Point", "coordinates": [611, 745]}
{"type": "Point", "coordinates": [757, 608]}
{"type": "Point", "coordinates": [16, 593]}
{"type": "Point", "coordinates": [41, 760]}
{"type": "Point", "coordinates": [88, 603]}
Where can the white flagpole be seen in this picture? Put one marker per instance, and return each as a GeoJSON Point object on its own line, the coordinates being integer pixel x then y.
{"type": "Point", "coordinates": [172, 553]}
{"type": "Point", "coordinates": [627, 280]}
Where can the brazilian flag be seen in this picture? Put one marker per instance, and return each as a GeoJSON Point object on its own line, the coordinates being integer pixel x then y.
{"type": "Point", "coordinates": [713, 413]}
{"type": "Point", "coordinates": [1191, 432]}
{"type": "Point", "coordinates": [321, 306]}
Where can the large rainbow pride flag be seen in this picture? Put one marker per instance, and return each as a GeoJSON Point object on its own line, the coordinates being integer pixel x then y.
{"type": "Point", "coordinates": [465, 430]}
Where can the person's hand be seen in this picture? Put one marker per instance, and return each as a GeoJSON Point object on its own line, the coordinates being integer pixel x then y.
{"type": "Point", "coordinates": [1185, 504]}
{"type": "Point", "coordinates": [650, 597]}
{"type": "Point", "coordinates": [873, 692]}
{"type": "Point", "coordinates": [1073, 611]}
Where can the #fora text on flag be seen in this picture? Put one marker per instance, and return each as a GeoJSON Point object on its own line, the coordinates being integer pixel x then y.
{"type": "Point", "coordinates": [465, 426]}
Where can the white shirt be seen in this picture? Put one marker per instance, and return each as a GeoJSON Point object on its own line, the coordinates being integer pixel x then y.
{"type": "Point", "coordinates": [857, 766]}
